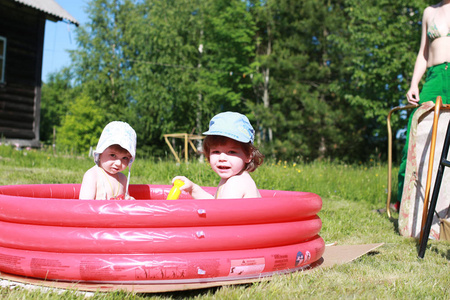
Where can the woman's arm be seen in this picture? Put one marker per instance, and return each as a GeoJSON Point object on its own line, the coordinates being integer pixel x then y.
{"type": "Point", "coordinates": [421, 61]}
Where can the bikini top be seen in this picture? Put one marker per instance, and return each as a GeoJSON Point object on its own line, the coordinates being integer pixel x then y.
{"type": "Point", "coordinates": [437, 30]}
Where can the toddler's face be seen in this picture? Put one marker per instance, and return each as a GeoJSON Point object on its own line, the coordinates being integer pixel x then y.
{"type": "Point", "coordinates": [114, 159]}
{"type": "Point", "coordinates": [228, 160]}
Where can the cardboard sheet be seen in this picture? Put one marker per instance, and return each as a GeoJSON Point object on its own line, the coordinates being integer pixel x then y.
{"type": "Point", "coordinates": [334, 255]}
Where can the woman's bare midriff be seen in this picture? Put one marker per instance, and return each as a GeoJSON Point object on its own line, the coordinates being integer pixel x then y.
{"type": "Point", "coordinates": [439, 51]}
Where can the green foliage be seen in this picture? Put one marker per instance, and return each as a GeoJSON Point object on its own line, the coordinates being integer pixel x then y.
{"type": "Point", "coordinates": [382, 41]}
{"type": "Point", "coordinates": [141, 61]}
{"type": "Point", "coordinates": [99, 64]}
{"type": "Point", "coordinates": [304, 113]}
{"type": "Point", "coordinates": [56, 95]}
{"type": "Point", "coordinates": [316, 78]}
{"type": "Point", "coordinates": [163, 53]}
{"type": "Point", "coordinates": [82, 125]}
{"type": "Point", "coordinates": [227, 50]}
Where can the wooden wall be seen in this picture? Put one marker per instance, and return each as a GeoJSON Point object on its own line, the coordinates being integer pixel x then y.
{"type": "Point", "coordinates": [23, 28]}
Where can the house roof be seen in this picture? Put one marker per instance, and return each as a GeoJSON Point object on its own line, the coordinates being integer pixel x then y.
{"type": "Point", "coordinates": [50, 7]}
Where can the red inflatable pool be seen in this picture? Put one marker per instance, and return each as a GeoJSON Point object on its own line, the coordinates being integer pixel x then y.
{"type": "Point", "coordinates": [47, 233]}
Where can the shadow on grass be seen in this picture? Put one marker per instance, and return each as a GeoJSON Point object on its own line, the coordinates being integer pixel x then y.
{"type": "Point", "coordinates": [444, 254]}
{"type": "Point", "coordinates": [393, 219]}
{"type": "Point", "coordinates": [189, 293]}
{"type": "Point", "coordinates": [394, 222]}
{"type": "Point", "coordinates": [182, 294]}
{"type": "Point", "coordinates": [373, 253]}
{"type": "Point", "coordinates": [447, 256]}
{"type": "Point", "coordinates": [435, 246]}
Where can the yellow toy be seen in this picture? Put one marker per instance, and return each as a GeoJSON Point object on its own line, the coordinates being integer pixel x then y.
{"type": "Point", "coordinates": [175, 192]}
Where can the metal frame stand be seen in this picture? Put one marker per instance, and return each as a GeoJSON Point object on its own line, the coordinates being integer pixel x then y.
{"type": "Point", "coordinates": [428, 208]}
{"type": "Point", "coordinates": [389, 130]}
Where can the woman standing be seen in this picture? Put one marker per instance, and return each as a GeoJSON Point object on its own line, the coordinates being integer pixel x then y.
{"type": "Point", "coordinates": [434, 59]}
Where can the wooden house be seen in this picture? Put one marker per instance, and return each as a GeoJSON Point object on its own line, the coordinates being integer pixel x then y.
{"type": "Point", "coordinates": [22, 27]}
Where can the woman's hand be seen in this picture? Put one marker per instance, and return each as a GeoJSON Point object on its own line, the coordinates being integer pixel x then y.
{"type": "Point", "coordinates": [413, 95]}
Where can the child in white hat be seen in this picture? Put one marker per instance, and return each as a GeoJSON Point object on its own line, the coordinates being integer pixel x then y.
{"type": "Point", "coordinates": [116, 150]}
{"type": "Point", "coordinates": [229, 148]}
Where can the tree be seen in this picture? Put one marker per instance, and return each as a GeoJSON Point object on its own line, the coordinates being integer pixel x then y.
{"type": "Point", "coordinates": [99, 61]}
{"type": "Point", "coordinates": [140, 61]}
{"type": "Point", "coordinates": [56, 95]}
{"type": "Point", "coordinates": [162, 51]}
{"type": "Point", "coordinates": [316, 78]}
{"type": "Point", "coordinates": [303, 113]}
{"type": "Point", "coordinates": [382, 42]}
{"type": "Point", "coordinates": [263, 40]}
{"type": "Point", "coordinates": [333, 71]}
{"type": "Point", "coordinates": [81, 126]}
{"type": "Point", "coordinates": [227, 54]}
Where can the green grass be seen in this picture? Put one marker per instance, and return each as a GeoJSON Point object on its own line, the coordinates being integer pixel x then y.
{"type": "Point", "coordinates": [350, 193]}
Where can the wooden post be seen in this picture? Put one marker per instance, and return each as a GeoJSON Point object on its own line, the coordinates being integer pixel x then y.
{"type": "Point", "coordinates": [437, 108]}
{"type": "Point", "coordinates": [187, 140]}
{"type": "Point", "coordinates": [186, 148]}
{"type": "Point", "coordinates": [171, 148]}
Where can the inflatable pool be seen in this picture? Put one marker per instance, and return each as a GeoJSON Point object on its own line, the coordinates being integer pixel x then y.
{"type": "Point", "coordinates": [47, 233]}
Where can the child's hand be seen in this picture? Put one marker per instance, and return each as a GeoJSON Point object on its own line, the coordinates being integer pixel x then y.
{"type": "Point", "coordinates": [128, 197]}
{"type": "Point", "coordinates": [188, 185]}
{"type": "Point", "coordinates": [193, 189]}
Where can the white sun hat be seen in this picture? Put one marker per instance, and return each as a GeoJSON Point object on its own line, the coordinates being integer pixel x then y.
{"type": "Point", "coordinates": [117, 133]}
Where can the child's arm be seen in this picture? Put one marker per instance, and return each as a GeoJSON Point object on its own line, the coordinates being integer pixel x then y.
{"type": "Point", "coordinates": [88, 188]}
{"type": "Point", "coordinates": [193, 189]}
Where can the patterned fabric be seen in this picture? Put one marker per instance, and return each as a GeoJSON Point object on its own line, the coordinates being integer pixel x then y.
{"type": "Point", "coordinates": [436, 31]}
{"type": "Point", "coordinates": [117, 133]}
{"type": "Point", "coordinates": [437, 84]}
{"type": "Point", "coordinates": [411, 208]}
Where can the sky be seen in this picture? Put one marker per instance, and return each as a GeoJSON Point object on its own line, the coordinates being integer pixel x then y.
{"type": "Point", "coordinates": [60, 36]}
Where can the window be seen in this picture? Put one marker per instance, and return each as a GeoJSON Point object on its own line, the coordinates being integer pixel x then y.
{"type": "Point", "coordinates": [2, 58]}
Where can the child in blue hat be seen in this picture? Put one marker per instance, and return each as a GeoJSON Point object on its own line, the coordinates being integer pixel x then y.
{"type": "Point", "coordinates": [229, 148]}
{"type": "Point", "coordinates": [116, 150]}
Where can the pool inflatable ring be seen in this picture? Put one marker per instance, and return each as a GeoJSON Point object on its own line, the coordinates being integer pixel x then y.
{"type": "Point", "coordinates": [47, 233]}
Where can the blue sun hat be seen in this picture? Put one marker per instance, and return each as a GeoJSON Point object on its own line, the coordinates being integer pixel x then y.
{"type": "Point", "coordinates": [233, 125]}
{"type": "Point", "coordinates": [117, 133]}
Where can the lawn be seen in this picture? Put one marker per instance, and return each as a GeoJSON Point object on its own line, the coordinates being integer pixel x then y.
{"type": "Point", "coordinates": [351, 195]}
